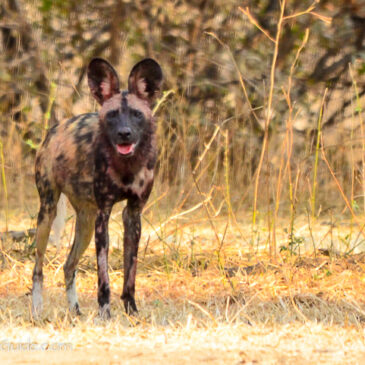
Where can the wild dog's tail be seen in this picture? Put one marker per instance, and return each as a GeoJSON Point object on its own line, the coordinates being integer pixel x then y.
{"type": "Point", "coordinates": [60, 221]}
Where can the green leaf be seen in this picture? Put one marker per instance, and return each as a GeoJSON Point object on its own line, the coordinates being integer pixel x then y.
{"type": "Point", "coordinates": [31, 144]}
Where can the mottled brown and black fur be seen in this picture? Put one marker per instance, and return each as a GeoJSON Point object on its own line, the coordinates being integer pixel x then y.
{"type": "Point", "coordinates": [97, 160]}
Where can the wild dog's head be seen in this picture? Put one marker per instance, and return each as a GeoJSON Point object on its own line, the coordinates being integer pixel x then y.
{"type": "Point", "coordinates": [125, 116]}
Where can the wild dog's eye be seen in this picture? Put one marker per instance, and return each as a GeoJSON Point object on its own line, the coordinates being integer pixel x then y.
{"type": "Point", "coordinates": [112, 114]}
{"type": "Point", "coordinates": [137, 114]}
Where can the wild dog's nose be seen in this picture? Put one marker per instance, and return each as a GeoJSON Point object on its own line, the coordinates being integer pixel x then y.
{"type": "Point", "coordinates": [124, 133]}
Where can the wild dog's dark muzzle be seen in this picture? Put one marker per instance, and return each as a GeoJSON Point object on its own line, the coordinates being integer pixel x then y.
{"type": "Point", "coordinates": [125, 142]}
{"type": "Point", "coordinates": [124, 134]}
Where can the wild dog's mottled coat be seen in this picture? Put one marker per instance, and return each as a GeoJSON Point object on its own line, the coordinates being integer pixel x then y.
{"type": "Point", "coordinates": [96, 160]}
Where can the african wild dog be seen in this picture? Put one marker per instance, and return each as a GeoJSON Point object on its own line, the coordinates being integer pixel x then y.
{"type": "Point", "coordinates": [96, 160]}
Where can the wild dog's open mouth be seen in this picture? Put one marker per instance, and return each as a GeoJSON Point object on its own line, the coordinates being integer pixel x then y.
{"type": "Point", "coordinates": [126, 149]}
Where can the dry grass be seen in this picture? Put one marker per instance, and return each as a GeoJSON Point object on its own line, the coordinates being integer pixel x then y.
{"type": "Point", "coordinates": [196, 305]}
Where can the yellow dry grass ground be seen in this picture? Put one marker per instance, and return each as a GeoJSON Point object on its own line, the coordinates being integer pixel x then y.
{"type": "Point", "coordinates": [199, 302]}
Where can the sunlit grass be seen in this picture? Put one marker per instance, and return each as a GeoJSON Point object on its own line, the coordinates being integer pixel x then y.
{"type": "Point", "coordinates": [193, 307]}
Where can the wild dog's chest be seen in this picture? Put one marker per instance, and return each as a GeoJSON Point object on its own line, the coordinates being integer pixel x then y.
{"type": "Point", "coordinates": [131, 182]}
{"type": "Point", "coordinates": [113, 185]}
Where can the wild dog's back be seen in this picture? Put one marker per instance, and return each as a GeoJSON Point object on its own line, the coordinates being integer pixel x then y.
{"type": "Point", "coordinates": [66, 157]}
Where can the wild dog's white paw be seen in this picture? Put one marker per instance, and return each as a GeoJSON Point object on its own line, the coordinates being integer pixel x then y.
{"type": "Point", "coordinates": [73, 302]}
{"type": "Point", "coordinates": [37, 300]}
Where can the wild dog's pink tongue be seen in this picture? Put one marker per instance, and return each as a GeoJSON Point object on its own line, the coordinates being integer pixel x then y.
{"type": "Point", "coordinates": [124, 149]}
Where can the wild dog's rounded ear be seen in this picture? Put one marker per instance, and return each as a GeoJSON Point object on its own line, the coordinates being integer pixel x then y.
{"type": "Point", "coordinates": [102, 79]}
{"type": "Point", "coordinates": [145, 79]}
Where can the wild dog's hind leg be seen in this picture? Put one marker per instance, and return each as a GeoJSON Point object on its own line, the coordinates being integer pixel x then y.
{"type": "Point", "coordinates": [84, 230]}
{"type": "Point", "coordinates": [49, 195]}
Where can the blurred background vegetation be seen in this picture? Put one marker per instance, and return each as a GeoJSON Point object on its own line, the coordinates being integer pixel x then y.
{"type": "Point", "coordinates": [217, 64]}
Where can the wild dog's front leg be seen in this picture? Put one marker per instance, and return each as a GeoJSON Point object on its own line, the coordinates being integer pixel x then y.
{"type": "Point", "coordinates": [102, 247]}
{"type": "Point", "coordinates": [132, 234]}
